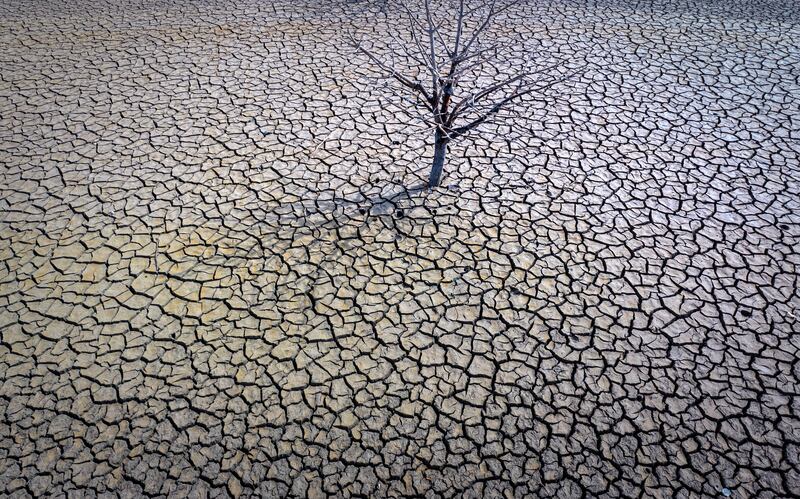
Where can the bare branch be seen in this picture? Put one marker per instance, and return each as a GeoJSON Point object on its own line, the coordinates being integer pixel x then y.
{"type": "Point", "coordinates": [487, 21]}
{"type": "Point", "coordinates": [432, 48]}
{"type": "Point", "coordinates": [413, 85]}
{"type": "Point", "coordinates": [474, 72]}
{"type": "Point", "coordinates": [462, 130]}
{"type": "Point", "coordinates": [459, 30]}
{"type": "Point", "coordinates": [474, 98]}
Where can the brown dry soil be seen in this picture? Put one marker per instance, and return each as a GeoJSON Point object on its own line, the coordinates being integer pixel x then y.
{"type": "Point", "coordinates": [212, 281]}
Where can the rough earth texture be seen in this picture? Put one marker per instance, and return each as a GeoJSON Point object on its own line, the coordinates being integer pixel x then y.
{"type": "Point", "coordinates": [213, 283]}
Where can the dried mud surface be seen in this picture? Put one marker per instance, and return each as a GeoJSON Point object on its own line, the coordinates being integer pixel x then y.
{"type": "Point", "coordinates": [212, 282]}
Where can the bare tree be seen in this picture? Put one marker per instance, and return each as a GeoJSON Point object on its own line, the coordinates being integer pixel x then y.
{"type": "Point", "coordinates": [459, 72]}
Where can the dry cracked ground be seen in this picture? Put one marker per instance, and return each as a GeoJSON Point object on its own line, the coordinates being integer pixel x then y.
{"type": "Point", "coordinates": [212, 282]}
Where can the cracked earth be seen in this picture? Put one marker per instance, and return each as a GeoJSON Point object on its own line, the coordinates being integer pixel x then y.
{"type": "Point", "coordinates": [214, 283]}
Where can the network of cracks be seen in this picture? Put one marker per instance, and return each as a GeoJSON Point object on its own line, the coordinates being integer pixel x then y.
{"type": "Point", "coordinates": [218, 278]}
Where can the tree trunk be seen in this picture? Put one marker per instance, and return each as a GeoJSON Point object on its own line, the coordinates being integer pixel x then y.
{"type": "Point", "coordinates": [439, 152]}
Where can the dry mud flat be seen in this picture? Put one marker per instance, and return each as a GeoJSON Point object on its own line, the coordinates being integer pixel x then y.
{"type": "Point", "coordinates": [209, 287]}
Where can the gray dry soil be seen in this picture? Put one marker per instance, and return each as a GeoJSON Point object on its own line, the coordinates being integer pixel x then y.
{"type": "Point", "coordinates": [212, 283]}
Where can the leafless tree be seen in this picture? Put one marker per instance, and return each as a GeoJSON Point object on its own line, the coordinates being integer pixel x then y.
{"type": "Point", "coordinates": [455, 67]}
